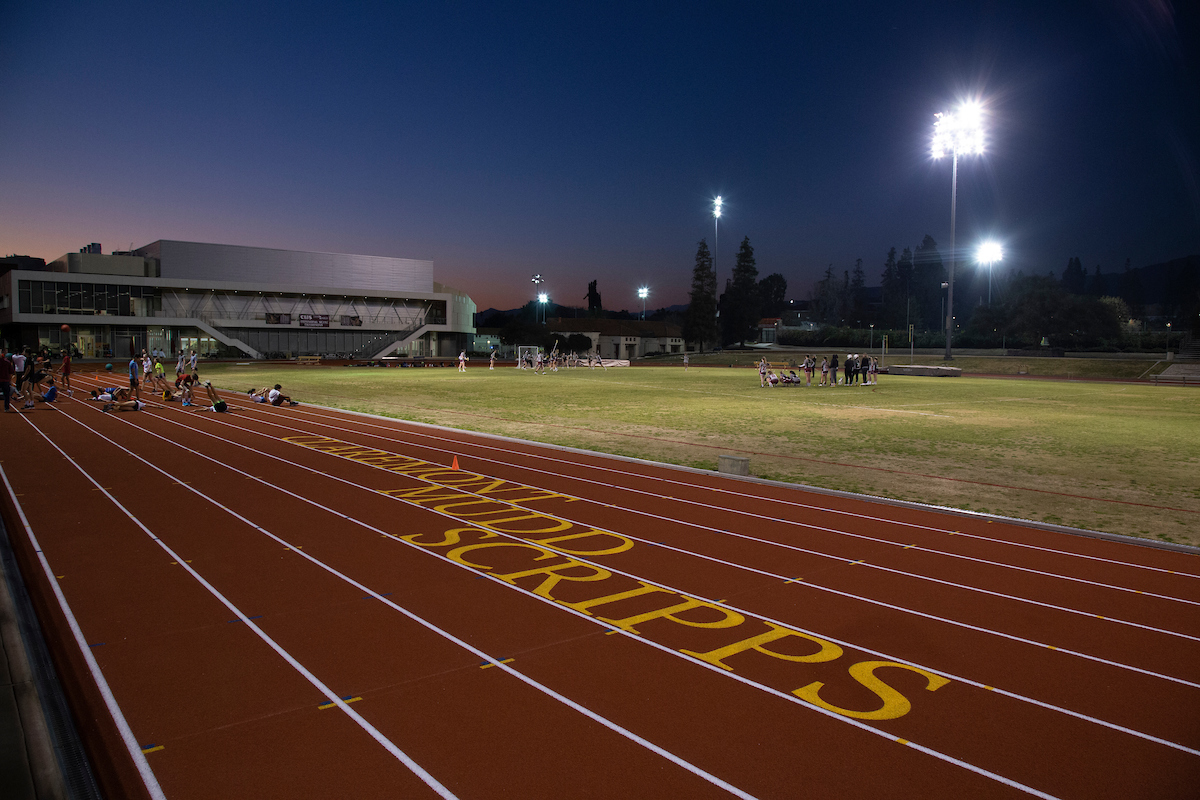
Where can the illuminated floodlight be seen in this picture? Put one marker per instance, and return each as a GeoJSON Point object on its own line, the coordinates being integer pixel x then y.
{"type": "Point", "coordinates": [989, 253]}
{"type": "Point", "coordinates": [538, 279]}
{"type": "Point", "coordinates": [643, 292]}
{"type": "Point", "coordinates": [958, 132]}
{"type": "Point", "coordinates": [543, 297]}
{"type": "Point", "coordinates": [717, 206]}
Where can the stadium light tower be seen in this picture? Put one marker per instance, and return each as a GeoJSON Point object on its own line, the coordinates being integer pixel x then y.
{"type": "Point", "coordinates": [716, 229]}
{"type": "Point", "coordinates": [543, 298]}
{"type": "Point", "coordinates": [537, 281]}
{"type": "Point", "coordinates": [956, 133]}
{"type": "Point", "coordinates": [989, 253]}
{"type": "Point", "coordinates": [643, 293]}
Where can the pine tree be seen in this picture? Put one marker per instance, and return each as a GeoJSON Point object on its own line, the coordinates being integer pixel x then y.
{"type": "Point", "coordinates": [858, 295]}
{"type": "Point", "coordinates": [742, 298]}
{"type": "Point", "coordinates": [893, 293]}
{"type": "Point", "coordinates": [928, 275]}
{"type": "Point", "coordinates": [700, 323]}
{"type": "Point", "coordinates": [1074, 277]}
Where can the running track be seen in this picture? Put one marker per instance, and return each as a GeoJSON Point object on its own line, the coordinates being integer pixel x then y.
{"type": "Point", "coordinates": [301, 602]}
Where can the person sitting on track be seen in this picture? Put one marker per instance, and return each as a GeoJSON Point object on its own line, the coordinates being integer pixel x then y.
{"type": "Point", "coordinates": [51, 393]}
{"type": "Point", "coordinates": [124, 405]}
{"type": "Point", "coordinates": [109, 394]}
{"type": "Point", "coordinates": [218, 405]}
{"type": "Point", "coordinates": [274, 396]}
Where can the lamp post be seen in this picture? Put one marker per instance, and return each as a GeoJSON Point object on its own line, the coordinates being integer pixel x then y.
{"type": "Point", "coordinates": [537, 281]}
{"type": "Point", "coordinates": [989, 253]}
{"type": "Point", "coordinates": [716, 229]}
{"type": "Point", "coordinates": [643, 293]}
{"type": "Point", "coordinates": [542, 299]}
{"type": "Point", "coordinates": [956, 133]}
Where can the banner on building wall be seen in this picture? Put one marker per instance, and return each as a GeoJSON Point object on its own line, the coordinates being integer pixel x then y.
{"type": "Point", "coordinates": [314, 320]}
{"type": "Point", "coordinates": [279, 319]}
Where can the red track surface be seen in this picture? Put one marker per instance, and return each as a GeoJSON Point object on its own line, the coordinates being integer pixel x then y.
{"type": "Point", "coordinates": [544, 623]}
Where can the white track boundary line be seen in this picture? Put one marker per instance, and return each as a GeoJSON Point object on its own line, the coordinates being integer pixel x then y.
{"type": "Point", "coordinates": [883, 604]}
{"type": "Point", "coordinates": [951, 676]}
{"type": "Point", "coordinates": [818, 553]}
{"type": "Point", "coordinates": [775, 692]}
{"type": "Point", "coordinates": [748, 496]}
{"type": "Point", "coordinates": [114, 709]}
{"type": "Point", "coordinates": [595, 717]}
{"type": "Point", "coordinates": [809, 526]}
{"type": "Point", "coordinates": [375, 734]}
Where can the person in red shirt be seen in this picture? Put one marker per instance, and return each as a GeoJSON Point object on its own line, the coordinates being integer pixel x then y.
{"type": "Point", "coordinates": [65, 372]}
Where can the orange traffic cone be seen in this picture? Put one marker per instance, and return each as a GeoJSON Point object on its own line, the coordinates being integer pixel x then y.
{"type": "Point", "coordinates": [454, 464]}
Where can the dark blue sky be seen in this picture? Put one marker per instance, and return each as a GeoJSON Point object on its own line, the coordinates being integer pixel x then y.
{"type": "Point", "coordinates": [587, 142]}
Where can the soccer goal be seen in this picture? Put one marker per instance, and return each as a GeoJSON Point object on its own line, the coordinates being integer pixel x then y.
{"type": "Point", "coordinates": [525, 355]}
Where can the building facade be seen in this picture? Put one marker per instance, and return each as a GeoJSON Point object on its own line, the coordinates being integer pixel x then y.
{"type": "Point", "coordinates": [623, 339]}
{"type": "Point", "coordinates": [233, 301]}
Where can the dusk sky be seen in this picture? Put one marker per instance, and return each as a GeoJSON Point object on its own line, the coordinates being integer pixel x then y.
{"type": "Point", "coordinates": [587, 141]}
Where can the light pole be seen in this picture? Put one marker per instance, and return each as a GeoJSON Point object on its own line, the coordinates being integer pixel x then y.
{"type": "Point", "coordinates": [989, 253]}
{"type": "Point", "coordinates": [716, 230]}
{"type": "Point", "coordinates": [537, 281]}
{"type": "Point", "coordinates": [643, 293]}
{"type": "Point", "coordinates": [956, 133]}
{"type": "Point", "coordinates": [542, 299]}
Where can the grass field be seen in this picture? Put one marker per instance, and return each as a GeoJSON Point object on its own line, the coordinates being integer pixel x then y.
{"type": "Point", "coordinates": [1111, 457]}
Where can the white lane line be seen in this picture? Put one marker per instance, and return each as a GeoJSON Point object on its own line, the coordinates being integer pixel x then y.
{"type": "Point", "coordinates": [114, 709]}
{"type": "Point", "coordinates": [498, 662]}
{"type": "Point", "coordinates": [400, 755]}
{"type": "Point", "coordinates": [755, 498]}
{"type": "Point", "coordinates": [662, 648]}
{"type": "Point", "coordinates": [644, 476]}
{"type": "Point", "coordinates": [886, 656]}
{"type": "Point", "coordinates": [891, 606]}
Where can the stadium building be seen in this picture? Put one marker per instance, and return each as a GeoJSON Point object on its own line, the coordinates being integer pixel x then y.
{"type": "Point", "coordinates": [232, 301]}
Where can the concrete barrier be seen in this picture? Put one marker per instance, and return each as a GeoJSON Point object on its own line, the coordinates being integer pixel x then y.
{"type": "Point", "coordinates": [734, 465]}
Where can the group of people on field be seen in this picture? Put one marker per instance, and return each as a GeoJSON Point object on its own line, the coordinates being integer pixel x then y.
{"type": "Point", "coordinates": [29, 377]}
{"type": "Point", "coordinates": [857, 368]}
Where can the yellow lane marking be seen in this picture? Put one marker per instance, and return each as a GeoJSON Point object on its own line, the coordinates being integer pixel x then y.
{"type": "Point", "coordinates": [493, 663]}
{"type": "Point", "coordinates": [344, 700]}
{"type": "Point", "coordinates": [902, 741]}
{"type": "Point", "coordinates": [152, 749]}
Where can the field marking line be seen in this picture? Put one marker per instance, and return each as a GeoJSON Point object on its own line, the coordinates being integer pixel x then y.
{"type": "Point", "coordinates": [775, 692]}
{"type": "Point", "coordinates": [821, 461]}
{"type": "Point", "coordinates": [757, 498]}
{"type": "Point", "coordinates": [498, 662]}
{"type": "Point", "coordinates": [844, 560]}
{"type": "Point", "coordinates": [645, 476]}
{"type": "Point", "coordinates": [110, 701]}
{"type": "Point", "coordinates": [796, 523]}
{"type": "Point", "coordinates": [951, 676]}
{"type": "Point", "coordinates": [375, 734]}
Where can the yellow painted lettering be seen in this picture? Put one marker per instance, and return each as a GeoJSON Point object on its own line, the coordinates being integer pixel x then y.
{"type": "Point", "coordinates": [553, 573]}
{"type": "Point", "coordinates": [452, 536]}
{"type": "Point", "coordinates": [895, 705]}
{"type": "Point", "coordinates": [456, 554]}
{"type": "Point", "coordinates": [586, 605]}
{"type": "Point", "coordinates": [827, 651]}
{"type": "Point", "coordinates": [622, 543]}
{"type": "Point", "coordinates": [728, 618]}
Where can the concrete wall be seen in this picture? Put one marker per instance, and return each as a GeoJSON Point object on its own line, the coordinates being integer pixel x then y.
{"type": "Point", "coordinates": [226, 262]}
